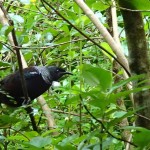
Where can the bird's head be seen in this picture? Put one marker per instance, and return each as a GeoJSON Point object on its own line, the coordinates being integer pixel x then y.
{"type": "Point", "coordinates": [56, 72]}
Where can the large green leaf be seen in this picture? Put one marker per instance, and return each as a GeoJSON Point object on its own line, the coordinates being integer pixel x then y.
{"type": "Point", "coordinates": [114, 97]}
{"type": "Point", "coordinates": [40, 141]}
{"type": "Point", "coordinates": [141, 136]}
{"type": "Point", "coordinates": [6, 121]}
{"type": "Point", "coordinates": [96, 76]}
{"type": "Point", "coordinates": [97, 98]}
{"type": "Point", "coordinates": [124, 82]}
{"type": "Point", "coordinates": [118, 117]}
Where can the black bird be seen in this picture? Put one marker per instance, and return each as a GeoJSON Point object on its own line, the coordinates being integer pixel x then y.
{"type": "Point", "coordinates": [38, 79]}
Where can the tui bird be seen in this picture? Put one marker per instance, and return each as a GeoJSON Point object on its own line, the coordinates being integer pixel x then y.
{"type": "Point", "coordinates": [38, 79]}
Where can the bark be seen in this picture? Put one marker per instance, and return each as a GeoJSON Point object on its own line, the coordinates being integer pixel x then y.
{"type": "Point", "coordinates": [138, 61]}
{"type": "Point", "coordinates": [113, 26]}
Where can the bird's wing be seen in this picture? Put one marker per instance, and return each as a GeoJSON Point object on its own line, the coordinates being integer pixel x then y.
{"type": "Point", "coordinates": [31, 75]}
{"type": "Point", "coordinates": [13, 82]}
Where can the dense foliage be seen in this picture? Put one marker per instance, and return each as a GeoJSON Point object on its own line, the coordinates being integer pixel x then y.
{"type": "Point", "coordinates": [85, 107]}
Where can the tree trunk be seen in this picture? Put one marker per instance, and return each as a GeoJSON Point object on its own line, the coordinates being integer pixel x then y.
{"type": "Point", "coordinates": [138, 61]}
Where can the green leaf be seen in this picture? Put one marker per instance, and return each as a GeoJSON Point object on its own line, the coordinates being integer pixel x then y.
{"type": "Point", "coordinates": [6, 121]}
{"type": "Point", "coordinates": [95, 76]}
{"type": "Point", "coordinates": [100, 5]}
{"type": "Point", "coordinates": [1, 46]}
{"type": "Point", "coordinates": [31, 134]}
{"type": "Point", "coordinates": [72, 99]}
{"type": "Point", "coordinates": [108, 48]}
{"type": "Point", "coordinates": [8, 30]}
{"type": "Point", "coordinates": [17, 138]}
{"type": "Point", "coordinates": [4, 64]}
{"type": "Point", "coordinates": [5, 30]}
{"type": "Point", "coordinates": [66, 143]}
{"type": "Point", "coordinates": [119, 116]}
{"type": "Point", "coordinates": [89, 136]}
{"type": "Point", "coordinates": [124, 82]}
{"type": "Point", "coordinates": [97, 98]}
{"type": "Point", "coordinates": [114, 97]}
{"type": "Point", "coordinates": [72, 54]}
{"type": "Point", "coordinates": [40, 141]}
{"type": "Point", "coordinates": [141, 136]}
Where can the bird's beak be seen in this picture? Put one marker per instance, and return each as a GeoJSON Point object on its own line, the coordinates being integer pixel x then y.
{"type": "Point", "coordinates": [67, 73]}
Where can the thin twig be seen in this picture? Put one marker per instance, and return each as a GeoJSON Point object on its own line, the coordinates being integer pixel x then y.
{"type": "Point", "coordinates": [23, 83]}
{"type": "Point", "coordinates": [46, 47]}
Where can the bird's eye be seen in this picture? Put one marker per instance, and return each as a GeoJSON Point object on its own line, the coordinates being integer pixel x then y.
{"type": "Point", "coordinates": [57, 70]}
